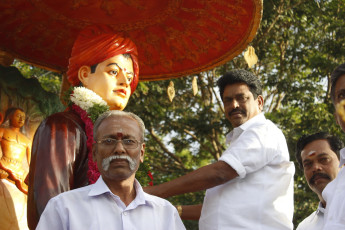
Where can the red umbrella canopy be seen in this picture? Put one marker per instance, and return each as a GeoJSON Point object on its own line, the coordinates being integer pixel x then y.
{"type": "Point", "coordinates": [174, 37]}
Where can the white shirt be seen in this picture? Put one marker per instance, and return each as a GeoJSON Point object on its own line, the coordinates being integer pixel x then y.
{"type": "Point", "coordinates": [261, 197]}
{"type": "Point", "coordinates": [96, 207]}
{"type": "Point", "coordinates": [314, 221]}
{"type": "Point", "coordinates": [334, 195]}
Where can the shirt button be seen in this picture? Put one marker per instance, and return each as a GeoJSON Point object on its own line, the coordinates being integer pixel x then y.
{"type": "Point", "coordinates": [125, 213]}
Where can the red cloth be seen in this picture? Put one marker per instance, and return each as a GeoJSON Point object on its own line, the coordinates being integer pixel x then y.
{"type": "Point", "coordinates": [96, 44]}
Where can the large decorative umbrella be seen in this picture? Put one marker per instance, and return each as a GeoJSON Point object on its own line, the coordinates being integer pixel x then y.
{"type": "Point", "coordinates": [174, 37]}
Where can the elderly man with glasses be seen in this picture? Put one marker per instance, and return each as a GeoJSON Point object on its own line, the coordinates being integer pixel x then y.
{"type": "Point", "coordinates": [116, 200]}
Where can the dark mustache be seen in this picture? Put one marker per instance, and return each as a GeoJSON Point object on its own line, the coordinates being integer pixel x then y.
{"type": "Point", "coordinates": [323, 175]}
{"type": "Point", "coordinates": [236, 111]}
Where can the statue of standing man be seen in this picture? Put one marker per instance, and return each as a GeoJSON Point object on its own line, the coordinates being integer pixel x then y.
{"type": "Point", "coordinates": [105, 65]}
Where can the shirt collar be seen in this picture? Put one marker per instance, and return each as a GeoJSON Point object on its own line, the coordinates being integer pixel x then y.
{"type": "Point", "coordinates": [342, 157]}
{"type": "Point", "coordinates": [320, 208]}
{"type": "Point", "coordinates": [100, 187]}
{"type": "Point", "coordinates": [259, 118]}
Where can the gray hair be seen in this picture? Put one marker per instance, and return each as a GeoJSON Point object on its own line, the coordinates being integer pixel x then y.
{"type": "Point", "coordinates": [119, 113]}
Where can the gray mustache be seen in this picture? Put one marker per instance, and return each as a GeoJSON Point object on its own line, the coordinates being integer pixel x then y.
{"type": "Point", "coordinates": [106, 161]}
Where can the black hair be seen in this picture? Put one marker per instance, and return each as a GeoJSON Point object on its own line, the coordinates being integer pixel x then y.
{"type": "Point", "coordinates": [334, 142]}
{"type": "Point", "coordinates": [11, 111]}
{"type": "Point", "coordinates": [240, 76]}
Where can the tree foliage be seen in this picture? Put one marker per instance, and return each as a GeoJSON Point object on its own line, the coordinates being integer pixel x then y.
{"type": "Point", "coordinates": [299, 43]}
{"type": "Point", "coordinates": [49, 80]}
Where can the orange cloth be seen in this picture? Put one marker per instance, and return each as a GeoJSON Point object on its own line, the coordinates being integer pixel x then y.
{"type": "Point", "coordinates": [96, 44]}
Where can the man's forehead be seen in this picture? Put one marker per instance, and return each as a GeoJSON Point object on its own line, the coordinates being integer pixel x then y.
{"type": "Point", "coordinates": [317, 150]}
{"type": "Point", "coordinates": [117, 128]}
{"type": "Point", "coordinates": [118, 124]}
{"type": "Point", "coordinates": [19, 112]}
{"type": "Point", "coordinates": [116, 131]}
{"type": "Point", "coordinates": [236, 89]}
{"type": "Point", "coordinates": [308, 153]}
{"type": "Point", "coordinates": [122, 68]}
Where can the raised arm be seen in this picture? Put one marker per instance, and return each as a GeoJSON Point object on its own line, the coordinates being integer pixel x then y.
{"type": "Point", "coordinates": [191, 212]}
{"type": "Point", "coordinates": [203, 178]}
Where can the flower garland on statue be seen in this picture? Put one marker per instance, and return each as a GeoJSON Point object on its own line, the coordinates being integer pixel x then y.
{"type": "Point", "coordinates": [89, 106]}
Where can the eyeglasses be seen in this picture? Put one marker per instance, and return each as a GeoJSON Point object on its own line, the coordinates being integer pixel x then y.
{"type": "Point", "coordinates": [111, 142]}
{"type": "Point", "coordinates": [241, 99]}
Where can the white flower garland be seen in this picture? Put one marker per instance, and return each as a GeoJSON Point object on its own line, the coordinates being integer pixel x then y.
{"type": "Point", "coordinates": [86, 98]}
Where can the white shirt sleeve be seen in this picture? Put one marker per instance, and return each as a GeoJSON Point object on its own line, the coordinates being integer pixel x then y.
{"type": "Point", "coordinates": [334, 194]}
{"type": "Point", "coordinates": [51, 218]}
{"type": "Point", "coordinates": [173, 220]}
{"type": "Point", "coordinates": [254, 149]}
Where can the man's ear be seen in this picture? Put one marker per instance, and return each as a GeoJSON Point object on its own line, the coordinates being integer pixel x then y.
{"type": "Point", "coordinates": [83, 74]}
{"type": "Point", "coordinates": [260, 102]}
{"type": "Point", "coordinates": [142, 153]}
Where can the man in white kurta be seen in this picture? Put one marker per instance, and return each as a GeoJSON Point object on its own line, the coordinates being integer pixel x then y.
{"type": "Point", "coordinates": [314, 221]}
{"type": "Point", "coordinates": [318, 157]}
{"type": "Point", "coordinates": [251, 185]}
{"type": "Point", "coordinates": [116, 200]}
{"type": "Point", "coordinates": [96, 207]}
{"type": "Point", "coordinates": [334, 193]}
{"type": "Point", "coordinates": [261, 197]}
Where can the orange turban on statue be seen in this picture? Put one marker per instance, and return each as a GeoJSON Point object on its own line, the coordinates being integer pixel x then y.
{"type": "Point", "coordinates": [96, 44]}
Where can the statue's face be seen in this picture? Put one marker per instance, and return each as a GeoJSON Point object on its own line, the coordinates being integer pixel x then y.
{"type": "Point", "coordinates": [17, 119]}
{"type": "Point", "coordinates": [111, 80]}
